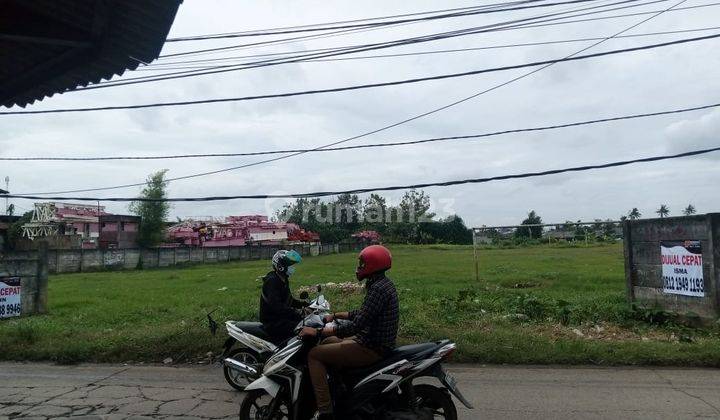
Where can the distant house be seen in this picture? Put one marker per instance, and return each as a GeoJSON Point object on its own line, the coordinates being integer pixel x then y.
{"type": "Point", "coordinates": [118, 231]}
{"type": "Point", "coordinates": [560, 234]}
{"type": "Point", "coordinates": [69, 225]}
{"type": "Point", "coordinates": [237, 231]}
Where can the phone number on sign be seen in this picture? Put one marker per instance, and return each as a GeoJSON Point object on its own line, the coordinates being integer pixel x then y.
{"type": "Point", "coordinates": [684, 284]}
{"type": "Point", "coordinates": [10, 310]}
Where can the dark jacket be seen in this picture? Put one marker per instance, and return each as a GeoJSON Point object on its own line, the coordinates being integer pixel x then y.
{"type": "Point", "coordinates": [375, 324]}
{"type": "Point", "coordinates": [277, 305]}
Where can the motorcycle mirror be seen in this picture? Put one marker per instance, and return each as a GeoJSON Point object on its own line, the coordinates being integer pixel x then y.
{"type": "Point", "coordinates": [304, 295]}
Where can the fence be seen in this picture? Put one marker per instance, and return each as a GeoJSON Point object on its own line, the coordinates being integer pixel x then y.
{"type": "Point", "coordinates": [675, 263]}
{"type": "Point", "coordinates": [32, 270]}
{"type": "Point", "coordinates": [84, 260]}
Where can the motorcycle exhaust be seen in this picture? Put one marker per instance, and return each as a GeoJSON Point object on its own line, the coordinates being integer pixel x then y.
{"type": "Point", "coordinates": [240, 367]}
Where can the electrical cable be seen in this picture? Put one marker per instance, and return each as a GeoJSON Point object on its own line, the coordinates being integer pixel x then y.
{"type": "Point", "coordinates": [367, 146]}
{"type": "Point", "coordinates": [386, 188]}
{"type": "Point", "coordinates": [389, 126]}
{"type": "Point", "coordinates": [292, 39]}
{"type": "Point", "coordinates": [456, 50]}
{"type": "Point", "coordinates": [369, 85]}
{"type": "Point", "coordinates": [303, 57]}
{"type": "Point", "coordinates": [471, 12]}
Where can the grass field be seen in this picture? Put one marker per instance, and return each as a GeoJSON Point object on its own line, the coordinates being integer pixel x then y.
{"type": "Point", "coordinates": [532, 305]}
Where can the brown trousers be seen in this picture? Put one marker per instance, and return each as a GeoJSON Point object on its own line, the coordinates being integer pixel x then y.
{"type": "Point", "coordinates": [337, 353]}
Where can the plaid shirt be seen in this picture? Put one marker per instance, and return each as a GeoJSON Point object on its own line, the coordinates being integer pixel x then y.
{"type": "Point", "coordinates": [375, 324]}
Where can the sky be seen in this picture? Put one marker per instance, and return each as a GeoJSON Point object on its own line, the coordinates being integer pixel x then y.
{"type": "Point", "coordinates": [673, 77]}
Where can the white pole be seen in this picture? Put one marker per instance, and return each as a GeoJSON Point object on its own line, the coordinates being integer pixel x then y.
{"type": "Point", "coordinates": [7, 188]}
{"type": "Point", "coordinates": [475, 258]}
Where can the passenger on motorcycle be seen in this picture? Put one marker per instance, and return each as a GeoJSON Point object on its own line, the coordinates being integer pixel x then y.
{"type": "Point", "coordinates": [279, 310]}
{"type": "Point", "coordinates": [371, 330]}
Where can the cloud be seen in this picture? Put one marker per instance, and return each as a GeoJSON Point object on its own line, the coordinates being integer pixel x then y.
{"type": "Point", "coordinates": [702, 132]}
{"type": "Point", "coordinates": [604, 87]}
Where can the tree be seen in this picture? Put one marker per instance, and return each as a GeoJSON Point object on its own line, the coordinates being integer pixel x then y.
{"type": "Point", "coordinates": [10, 210]}
{"type": "Point", "coordinates": [689, 210]}
{"type": "Point", "coordinates": [415, 205]}
{"type": "Point", "coordinates": [374, 210]}
{"type": "Point", "coordinates": [454, 230]}
{"type": "Point", "coordinates": [634, 214]}
{"type": "Point", "coordinates": [531, 232]}
{"type": "Point", "coordinates": [663, 211]}
{"type": "Point", "coordinates": [15, 231]}
{"type": "Point", "coordinates": [153, 213]}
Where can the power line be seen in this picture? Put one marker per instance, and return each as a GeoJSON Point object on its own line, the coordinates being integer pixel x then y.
{"type": "Point", "coordinates": [344, 31]}
{"type": "Point", "coordinates": [524, 26]}
{"type": "Point", "coordinates": [471, 11]}
{"type": "Point", "coordinates": [262, 31]}
{"type": "Point", "coordinates": [301, 57]}
{"type": "Point", "coordinates": [388, 188]}
{"type": "Point", "coordinates": [333, 33]}
{"type": "Point", "coordinates": [369, 85]}
{"type": "Point", "coordinates": [367, 146]}
{"type": "Point", "coordinates": [431, 52]}
{"type": "Point", "coordinates": [389, 126]}
{"type": "Point", "coordinates": [304, 56]}
{"type": "Point", "coordinates": [349, 47]}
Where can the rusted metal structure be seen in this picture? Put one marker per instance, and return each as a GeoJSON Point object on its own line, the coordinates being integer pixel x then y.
{"type": "Point", "coordinates": [54, 46]}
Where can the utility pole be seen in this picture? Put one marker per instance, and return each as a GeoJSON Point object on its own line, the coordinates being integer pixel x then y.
{"type": "Point", "coordinates": [7, 188]}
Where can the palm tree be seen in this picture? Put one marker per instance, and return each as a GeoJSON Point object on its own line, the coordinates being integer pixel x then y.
{"type": "Point", "coordinates": [634, 214]}
{"type": "Point", "coordinates": [689, 210]}
{"type": "Point", "coordinates": [663, 211]}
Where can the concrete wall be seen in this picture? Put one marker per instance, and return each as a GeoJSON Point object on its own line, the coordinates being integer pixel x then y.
{"type": "Point", "coordinates": [85, 260]}
{"type": "Point", "coordinates": [643, 267]}
{"type": "Point", "coordinates": [32, 268]}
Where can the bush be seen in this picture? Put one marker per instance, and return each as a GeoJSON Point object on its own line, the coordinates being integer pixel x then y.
{"type": "Point", "coordinates": [529, 305]}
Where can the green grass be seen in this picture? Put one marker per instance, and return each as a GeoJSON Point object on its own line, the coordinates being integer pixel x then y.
{"type": "Point", "coordinates": [532, 305]}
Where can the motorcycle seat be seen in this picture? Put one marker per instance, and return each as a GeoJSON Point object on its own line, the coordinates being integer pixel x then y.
{"type": "Point", "coordinates": [253, 328]}
{"type": "Point", "coordinates": [410, 352]}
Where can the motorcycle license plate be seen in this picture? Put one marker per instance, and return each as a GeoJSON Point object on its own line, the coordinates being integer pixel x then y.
{"type": "Point", "coordinates": [451, 383]}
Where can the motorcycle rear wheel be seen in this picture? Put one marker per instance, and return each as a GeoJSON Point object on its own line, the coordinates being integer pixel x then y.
{"type": "Point", "coordinates": [256, 405]}
{"type": "Point", "coordinates": [436, 399]}
{"type": "Point", "coordinates": [236, 379]}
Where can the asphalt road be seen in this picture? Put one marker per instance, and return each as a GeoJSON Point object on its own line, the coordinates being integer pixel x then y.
{"type": "Point", "coordinates": [498, 392]}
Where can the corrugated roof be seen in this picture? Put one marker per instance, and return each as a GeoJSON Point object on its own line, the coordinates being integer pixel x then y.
{"type": "Point", "coordinates": [52, 46]}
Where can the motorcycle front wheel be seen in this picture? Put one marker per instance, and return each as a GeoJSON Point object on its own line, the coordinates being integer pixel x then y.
{"type": "Point", "coordinates": [258, 405]}
{"type": "Point", "coordinates": [437, 400]}
{"type": "Point", "coordinates": [236, 379]}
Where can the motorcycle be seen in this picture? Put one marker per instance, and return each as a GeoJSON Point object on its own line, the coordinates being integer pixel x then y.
{"type": "Point", "coordinates": [249, 345]}
{"type": "Point", "coordinates": [382, 391]}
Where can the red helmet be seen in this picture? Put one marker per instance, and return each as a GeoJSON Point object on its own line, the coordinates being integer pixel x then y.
{"type": "Point", "coordinates": [373, 259]}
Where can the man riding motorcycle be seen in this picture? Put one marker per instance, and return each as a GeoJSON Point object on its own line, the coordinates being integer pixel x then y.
{"type": "Point", "coordinates": [372, 329]}
{"type": "Point", "coordinates": [278, 308]}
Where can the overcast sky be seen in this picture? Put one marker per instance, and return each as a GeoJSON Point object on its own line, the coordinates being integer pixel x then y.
{"type": "Point", "coordinates": [673, 77]}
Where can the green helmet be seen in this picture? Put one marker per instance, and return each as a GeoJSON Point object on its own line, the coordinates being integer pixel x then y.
{"type": "Point", "coordinates": [284, 259]}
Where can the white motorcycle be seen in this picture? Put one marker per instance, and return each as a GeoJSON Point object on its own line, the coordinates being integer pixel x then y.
{"type": "Point", "coordinates": [249, 345]}
{"type": "Point", "coordinates": [386, 390]}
